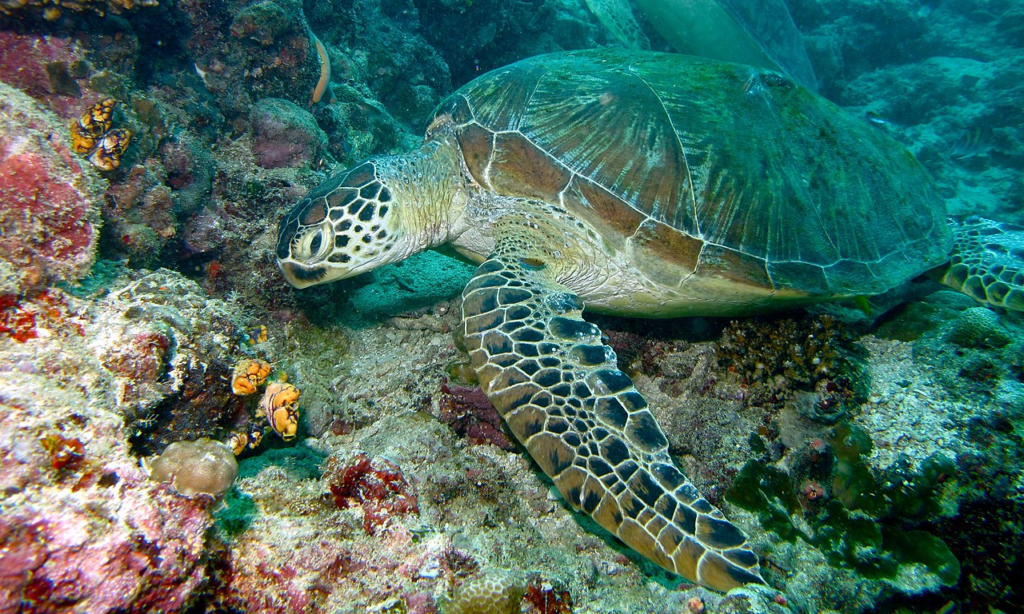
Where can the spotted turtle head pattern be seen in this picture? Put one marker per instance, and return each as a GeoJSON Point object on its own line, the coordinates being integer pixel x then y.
{"type": "Point", "coordinates": [344, 227]}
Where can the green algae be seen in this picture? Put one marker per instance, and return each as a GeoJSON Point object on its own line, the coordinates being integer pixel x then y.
{"type": "Point", "coordinates": [900, 492]}
{"type": "Point", "coordinates": [236, 514]}
{"type": "Point", "coordinates": [411, 286]}
{"type": "Point", "coordinates": [102, 276]}
{"type": "Point", "coordinates": [239, 511]}
{"type": "Point", "coordinates": [865, 524]}
{"type": "Point", "coordinates": [857, 541]}
{"type": "Point", "coordinates": [770, 493]}
{"type": "Point", "coordinates": [924, 548]}
{"type": "Point", "coordinates": [852, 480]}
{"type": "Point", "coordinates": [420, 281]}
{"type": "Point", "coordinates": [853, 540]}
{"type": "Point", "coordinates": [298, 462]}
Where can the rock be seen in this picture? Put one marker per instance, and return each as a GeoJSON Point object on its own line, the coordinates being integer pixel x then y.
{"type": "Point", "coordinates": [266, 21]}
{"type": "Point", "coordinates": [285, 135]}
{"type": "Point", "coordinates": [49, 199]}
{"type": "Point", "coordinates": [978, 327]}
{"type": "Point", "coordinates": [1011, 26]}
{"type": "Point", "coordinates": [80, 525]}
{"type": "Point", "coordinates": [170, 357]}
{"type": "Point", "coordinates": [41, 66]}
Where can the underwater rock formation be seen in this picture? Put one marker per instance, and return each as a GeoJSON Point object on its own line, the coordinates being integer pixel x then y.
{"type": "Point", "coordinates": [49, 200]}
{"type": "Point", "coordinates": [51, 11]}
{"type": "Point", "coordinates": [285, 135]}
{"type": "Point", "coordinates": [80, 525]}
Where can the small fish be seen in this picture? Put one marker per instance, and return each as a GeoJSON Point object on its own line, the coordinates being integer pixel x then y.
{"type": "Point", "coordinates": [973, 142]}
{"type": "Point", "coordinates": [877, 119]}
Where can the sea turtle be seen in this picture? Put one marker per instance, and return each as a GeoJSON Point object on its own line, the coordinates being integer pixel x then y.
{"type": "Point", "coordinates": [642, 184]}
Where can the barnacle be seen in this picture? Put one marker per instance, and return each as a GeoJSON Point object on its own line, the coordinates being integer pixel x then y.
{"type": "Point", "coordinates": [238, 441]}
{"type": "Point", "coordinates": [255, 436]}
{"type": "Point", "coordinates": [93, 124]}
{"type": "Point", "coordinates": [248, 375]}
{"type": "Point", "coordinates": [280, 405]}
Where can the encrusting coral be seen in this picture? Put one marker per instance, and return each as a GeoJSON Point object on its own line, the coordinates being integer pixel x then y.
{"type": "Point", "coordinates": [978, 327]}
{"type": "Point", "coordinates": [201, 467]}
{"type": "Point", "coordinates": [490, 594]}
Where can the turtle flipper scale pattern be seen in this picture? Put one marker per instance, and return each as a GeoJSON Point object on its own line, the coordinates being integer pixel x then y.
{"type": "Point", "coordinates": [987, 262]}
{"type": "Point", "coordinates": [558, 388]}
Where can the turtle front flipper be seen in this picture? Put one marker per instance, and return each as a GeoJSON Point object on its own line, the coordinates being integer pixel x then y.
{"type": "Point", "coordinates": [557, 386]}
{"type": "Point", "coordinates": [987, 262]}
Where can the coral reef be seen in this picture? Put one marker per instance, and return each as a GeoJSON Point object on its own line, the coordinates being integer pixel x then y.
{"type": "Point", "coordinates": [81, 525]}
{"type": "Point", "coordinates": [868, 455]}
{"type": "Point", "coordinates": [171, 369]}
{"type": "Point", "coordinates": [49, 202]}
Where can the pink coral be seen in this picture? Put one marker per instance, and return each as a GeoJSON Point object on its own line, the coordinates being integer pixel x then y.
{"type": "Point", "coordinates": [148, 557]}
{"type": "Point", "coordinates": [49, 202]}
{"type": "Point", "coordinates": [42, 66]}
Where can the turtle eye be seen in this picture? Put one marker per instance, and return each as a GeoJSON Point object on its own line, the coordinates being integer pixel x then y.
{"type": "Point", "coordinates": [311, 245]}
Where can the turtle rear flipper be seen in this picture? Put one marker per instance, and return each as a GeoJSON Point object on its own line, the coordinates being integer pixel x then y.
{"type": "Point", "coordinates": [558, 388]}
{"type": "Point", "coordinates": [987, 262]}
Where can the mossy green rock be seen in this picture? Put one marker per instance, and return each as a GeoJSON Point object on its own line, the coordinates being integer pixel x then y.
{"type": "Point", "coordinates": [862, 526]}
{"type": "Point", "coordinates": [924, 548]}
{"type": "Point", "coordinates": [978, 327]}
{"type": "Point", "coordinates": [770, 493]}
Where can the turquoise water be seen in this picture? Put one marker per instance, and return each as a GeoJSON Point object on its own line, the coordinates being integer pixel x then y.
{"type": "Point", "coordinates": [849, 402]}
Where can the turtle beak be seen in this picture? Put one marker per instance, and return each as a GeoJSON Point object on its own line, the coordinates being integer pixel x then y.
{"type": "Point", "coordinates": [302, 276]}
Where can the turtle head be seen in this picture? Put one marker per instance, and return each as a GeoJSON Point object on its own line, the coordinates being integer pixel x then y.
{"type": "Point", "coordinates": [344, 227]}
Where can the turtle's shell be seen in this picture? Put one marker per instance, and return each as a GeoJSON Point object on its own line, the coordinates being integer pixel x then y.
{"type": "Point", "coordinates": [692, 165]}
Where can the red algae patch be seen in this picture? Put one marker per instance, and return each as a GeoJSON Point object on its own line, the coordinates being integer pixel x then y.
{"type": "Point", "coordinates": [49, 201]}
